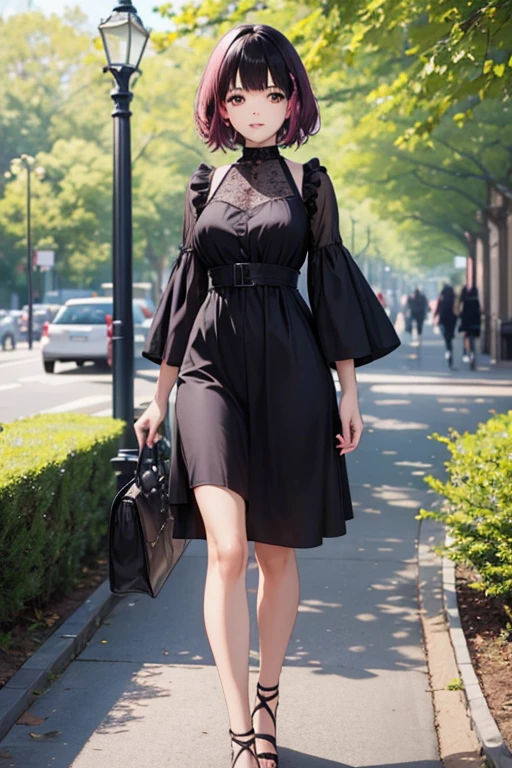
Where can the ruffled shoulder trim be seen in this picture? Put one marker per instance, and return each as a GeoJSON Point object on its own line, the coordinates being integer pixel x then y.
{"type": "Point", "coordinates": [311, 183]}
{"type": "Point", "coordinates": [200, 182]}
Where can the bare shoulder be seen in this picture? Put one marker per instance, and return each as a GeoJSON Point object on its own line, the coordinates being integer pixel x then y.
{"type": "Point", "coordinates": [297, 171]}
{"type": "Point", "coordinates": [293, 163]}
{"type": "Point", "coordinates": [217, 176]}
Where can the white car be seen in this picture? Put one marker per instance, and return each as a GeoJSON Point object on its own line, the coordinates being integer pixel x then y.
{"type": "Point", "coordinates": [78, 332]}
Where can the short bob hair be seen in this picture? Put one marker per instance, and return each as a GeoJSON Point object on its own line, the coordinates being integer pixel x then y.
{"type": "Point", "coordinates": [252, 49]}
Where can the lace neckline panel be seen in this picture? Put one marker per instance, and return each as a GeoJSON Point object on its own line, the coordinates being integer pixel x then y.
{"type": "Point", "coordinates": [246, 186]}
{"type": "Point", "coordinates": [258, 155]}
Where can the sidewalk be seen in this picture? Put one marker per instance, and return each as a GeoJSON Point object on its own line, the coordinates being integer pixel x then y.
{"type": "Point", "coordinates": [354, 689]}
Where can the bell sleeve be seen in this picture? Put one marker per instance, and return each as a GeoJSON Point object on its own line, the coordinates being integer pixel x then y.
{"type": "Point", "coordinates": [186, 288]}
{"type": "Point", "coordinates": [350, 320]}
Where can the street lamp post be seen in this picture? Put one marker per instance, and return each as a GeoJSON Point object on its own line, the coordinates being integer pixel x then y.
{"type": "Point", "coordinates": [124, 39]}
{"type": "Point", "coordinates": [27, 161]}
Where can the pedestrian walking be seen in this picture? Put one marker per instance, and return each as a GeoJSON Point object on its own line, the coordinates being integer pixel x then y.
{"type": "Point", "coordinates": [470, 321]}
{"type": "Point", "coordinates": [259, 439]}
{"type": "Point", "coordinates": [416, 311]}
{"type": "Point", "coordinates": [447, 319]}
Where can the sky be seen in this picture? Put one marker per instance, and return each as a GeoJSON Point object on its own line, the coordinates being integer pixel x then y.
{"type": "Point", "coordinates": [96, 9]}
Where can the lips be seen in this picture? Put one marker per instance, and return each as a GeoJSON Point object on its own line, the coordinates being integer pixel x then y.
{"type": "Point", "coordinates": [256, 125]}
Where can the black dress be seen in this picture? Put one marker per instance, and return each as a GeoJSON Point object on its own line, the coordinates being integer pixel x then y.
{"type": "Point", "coordinates": [256, 406]}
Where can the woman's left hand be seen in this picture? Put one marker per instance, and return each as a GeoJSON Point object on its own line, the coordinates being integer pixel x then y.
{"type": "Point", "coordinates": [351, 423]}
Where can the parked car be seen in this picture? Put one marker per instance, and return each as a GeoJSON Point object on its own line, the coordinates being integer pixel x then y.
{"type": "Point", "coordinates": [17, 314]}
{"type": "Point", "coordinates": [40, 314]}
{"type": "Point", "coordinates": [10, 333]}
{"type": "Point", "coordinates": [78, 333]}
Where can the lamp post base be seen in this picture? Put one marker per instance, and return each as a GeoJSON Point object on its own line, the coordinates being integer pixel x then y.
{"type": "Point", "coordinates": [124, 465]}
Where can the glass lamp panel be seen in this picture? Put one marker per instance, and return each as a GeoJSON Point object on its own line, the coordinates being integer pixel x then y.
{"type": "Point", "coordinates": [138, 38]}
{"type": "Point", "coordinates": [115, 32]}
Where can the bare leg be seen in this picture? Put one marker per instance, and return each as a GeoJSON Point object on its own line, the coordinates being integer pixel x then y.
{"type": "Point", "coordinates": [277, 604]}
{"type": "Point", "coordinates": [226, 612]}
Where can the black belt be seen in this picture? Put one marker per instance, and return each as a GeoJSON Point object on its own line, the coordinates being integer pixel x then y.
{"type": "Point", "coordinates": [245, 273]}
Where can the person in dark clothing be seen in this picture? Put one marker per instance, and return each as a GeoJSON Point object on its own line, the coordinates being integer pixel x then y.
{"type": "Point", "coordinates": [470, 319]}
{"type": "Point", "coordinates": [255, 417]}
{"type": "Point", "coordinates": [417, 308]}
{"type": "Point", "coordinates": [447, 319]}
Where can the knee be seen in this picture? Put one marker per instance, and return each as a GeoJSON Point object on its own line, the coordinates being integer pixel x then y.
{"type": "Point", "coordinates": [273, 559]}
{"type": "Point", "coordinates": [230, 557]}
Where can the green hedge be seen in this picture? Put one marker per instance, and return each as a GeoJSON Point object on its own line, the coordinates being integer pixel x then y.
{"type": "Point", "coordinates": [477, 503]}
{"type": "Point", "coordinates": [56, 485]}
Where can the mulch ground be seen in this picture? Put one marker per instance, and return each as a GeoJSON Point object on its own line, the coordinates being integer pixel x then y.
{"type": "Point", "coordinates": [484, 622]}
{"type": "Point", "coordinates": [19, 640]}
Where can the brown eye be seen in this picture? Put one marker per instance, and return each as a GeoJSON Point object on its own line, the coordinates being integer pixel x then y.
{"type": "Point", "coordinates": [279, 97]}
{"type": "Point", "coordinates": [232, 98]}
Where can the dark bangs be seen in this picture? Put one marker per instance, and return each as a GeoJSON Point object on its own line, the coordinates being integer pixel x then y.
{"type": "Point", "coordinates": [251, 50]}
{"type": "Point", "coordinates": [253, 56]}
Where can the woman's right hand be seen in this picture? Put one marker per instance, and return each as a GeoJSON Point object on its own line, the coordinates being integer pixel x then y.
{"type": "Point", "coordinates": [147, 424]}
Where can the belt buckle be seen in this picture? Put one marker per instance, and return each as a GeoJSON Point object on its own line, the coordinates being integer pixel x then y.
{"type": "Point", "coordinates": [240, 272]}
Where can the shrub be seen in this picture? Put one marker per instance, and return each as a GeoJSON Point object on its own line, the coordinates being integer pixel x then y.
{"type": "Point", "coordinates": [56, 485]}
{"type": "Point", "coordinates": [477, 505]}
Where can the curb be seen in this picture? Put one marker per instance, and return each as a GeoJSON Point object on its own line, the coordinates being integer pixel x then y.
{"type": "Point", "coordinates": [54, 655]}
{"type": "Point", "coordinates": [486, 729]}
{"type": "Point", "coordinates": [457, 742]}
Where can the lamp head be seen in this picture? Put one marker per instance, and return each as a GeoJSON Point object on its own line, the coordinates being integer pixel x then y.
{"type": "Point", "coordinates": [124, 36]}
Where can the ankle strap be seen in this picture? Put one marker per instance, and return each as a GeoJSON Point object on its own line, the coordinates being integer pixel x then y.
{"type": "Point", "coordinates": [241, 735]}
{"type": "Point", "coordinates": [265, 688]}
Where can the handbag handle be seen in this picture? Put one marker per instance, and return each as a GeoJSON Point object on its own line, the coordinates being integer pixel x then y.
{"type": "Point", "coordinates": [141, 452]}
{"type": "Point", "coordinates": [139, 460]}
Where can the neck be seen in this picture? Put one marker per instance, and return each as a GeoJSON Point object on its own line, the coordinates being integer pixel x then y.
{"type": "Point", "coordinates": [260, 153]}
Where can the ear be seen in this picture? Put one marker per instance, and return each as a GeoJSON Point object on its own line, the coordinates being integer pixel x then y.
{"type": "Point", "coordinates": [223, 111]}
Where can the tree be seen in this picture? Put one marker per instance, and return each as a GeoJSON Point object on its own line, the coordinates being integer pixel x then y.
{"type": "Point", "coordinates": [444, 54]}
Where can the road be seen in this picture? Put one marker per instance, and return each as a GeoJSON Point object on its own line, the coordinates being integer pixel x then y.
{"type": "Point", "coordinates": [26, 389]}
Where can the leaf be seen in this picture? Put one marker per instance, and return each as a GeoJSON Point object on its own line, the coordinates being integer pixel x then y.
{"type": "Point", "coordinates": [44, 736]}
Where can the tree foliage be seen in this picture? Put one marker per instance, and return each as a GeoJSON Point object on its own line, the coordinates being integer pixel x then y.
{"type": "Point", "coordinates": [57, 108]}
{"type": "Point", "coordinates": [411, 177]}
{"type": "Point", "coordinates": [444, 54]}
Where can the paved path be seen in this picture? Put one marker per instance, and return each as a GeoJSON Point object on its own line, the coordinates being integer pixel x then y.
{"type": "Point", "coordinates": [354, 689]}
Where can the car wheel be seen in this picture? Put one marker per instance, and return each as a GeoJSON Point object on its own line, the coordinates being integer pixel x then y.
{"type": "Point", "coordinates": [8, 342]}
{"type": "Point", "coordinates": [79, 363]}
{"type": "Point", "coordinates": [49, 365]}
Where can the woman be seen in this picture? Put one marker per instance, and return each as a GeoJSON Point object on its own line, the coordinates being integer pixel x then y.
{"type": "Point", "coordinates": [255, 455]}
{"type": "Point", "coordinates": [470, 320]}
{"type": "Point", "coordinates": [447, 319]}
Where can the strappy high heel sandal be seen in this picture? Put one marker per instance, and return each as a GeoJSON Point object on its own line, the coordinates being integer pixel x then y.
{"type": "Point", "coordinates": [267, 736]}
{"type": "Point", "coordinates": [246, 745]}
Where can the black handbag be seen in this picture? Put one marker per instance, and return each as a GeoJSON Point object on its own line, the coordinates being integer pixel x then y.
{"type": "Point", "coordinates": [140, 535]}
